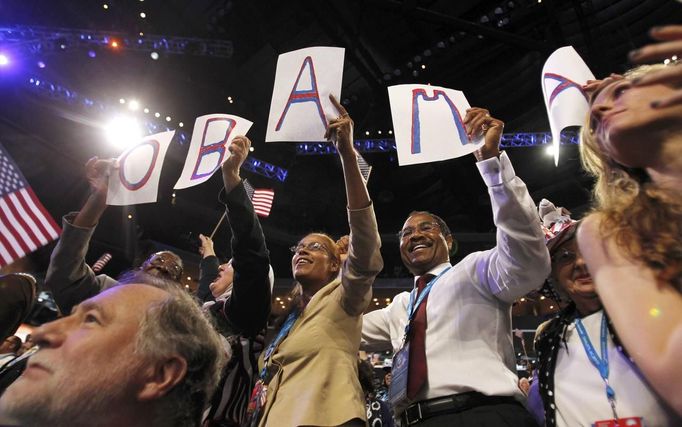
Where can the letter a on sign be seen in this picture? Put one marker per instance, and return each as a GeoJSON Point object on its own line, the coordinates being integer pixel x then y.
{"type": "Point", "coordinates": [427, 122]}
{"type": "Point", "coordinates": [300, 105]}
{"type": "Point", "coordinates": [211, 138]}
{"type": "Point", "coordinates": [563, 75]}
{"type": "Point", "coordinates": [139, 168]}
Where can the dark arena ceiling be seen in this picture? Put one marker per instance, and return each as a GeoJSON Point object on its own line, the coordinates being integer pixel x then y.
{"type": "Point", "coordinates": [225, 63]}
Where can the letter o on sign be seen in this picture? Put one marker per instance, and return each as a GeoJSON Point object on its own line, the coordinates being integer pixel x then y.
{"type": "Point", "coordinates": [134, 186]}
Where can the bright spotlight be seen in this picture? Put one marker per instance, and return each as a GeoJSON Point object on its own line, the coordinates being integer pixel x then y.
{"type": "Point", "coordinates": [181, 124]}
{"type": "Point", "coordinates": [154, 55]}
{"type": "Point", "coordinates": [122, 101]}
{"type": "Point", "coordinates": [41, 64]}
{"type": "Point", "coordinates": [168, 118]}
{"type": "Point", "coordinates": [146, 110]}
{"type": "Point", "coordinates": [549, 150]}
{"type": "Point", "coordinates": [143, 15]}
{"type": "Point", "coordinates": [157, 114]}
{"type": "Point", "coordinates": [4, 60]}
{"type": "Point", "coordinates": [134, 105]}
{"type": "Point", "coordinates": [123, 131]}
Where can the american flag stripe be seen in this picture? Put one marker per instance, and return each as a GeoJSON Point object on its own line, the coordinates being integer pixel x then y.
{"type": "Point", "coordinates": [5, 255]}
{"type": "Point", "coordinates": [17, 225]}
{"type": "Point", "coordinates": [35, 231]}
{"type": "Point", "coordinates": [45, 220]}
{"type": "Point", "coordinates": [12, 245]}
{"type": "Point", "coordinates": [261, 199]}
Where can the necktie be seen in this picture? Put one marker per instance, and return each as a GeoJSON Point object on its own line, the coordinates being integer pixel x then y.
{"type": "Point", "coordinates": [416, 376]}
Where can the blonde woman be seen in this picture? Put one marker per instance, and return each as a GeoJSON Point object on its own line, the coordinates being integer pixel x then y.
{"type": "Point", "coordinates": [632, 243]}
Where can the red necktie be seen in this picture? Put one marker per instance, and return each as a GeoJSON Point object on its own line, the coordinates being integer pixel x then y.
{"type": "Point", "coordinates": [416, 376]}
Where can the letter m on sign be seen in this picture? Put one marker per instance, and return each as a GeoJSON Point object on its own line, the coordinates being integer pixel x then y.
{"type": "Point", "coordinates": [305, 95]}
{"type": "Point", "coordinates": [420, 94]}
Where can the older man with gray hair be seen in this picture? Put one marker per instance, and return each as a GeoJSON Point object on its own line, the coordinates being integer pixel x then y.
{"type": "Point", "coordinates": [142, 354]}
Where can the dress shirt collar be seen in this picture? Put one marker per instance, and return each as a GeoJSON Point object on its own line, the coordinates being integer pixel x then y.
{"type": "Point", "coordinates": [435, 271]}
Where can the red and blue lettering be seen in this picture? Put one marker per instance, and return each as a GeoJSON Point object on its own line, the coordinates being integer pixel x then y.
{"type": "Point", "coordinates": [564, 83]}
{"type": "Point", "coordinates": [418, 94]}
{"type": "Point", "coordinates": [216, 147]}
{"type": "Point", "coordinates": [141, 183]}
{"type": "Point", "coordinates": [310, 95]}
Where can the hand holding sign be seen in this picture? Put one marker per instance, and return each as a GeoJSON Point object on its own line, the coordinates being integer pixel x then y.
{"type": "Point", "coordinates": [239, 149]}
{"type": "Point", "coordinates": [478, 122]}
{"type": "Point", "coordinates": [340, 131]}
{"type": "Point", "coordinates": [97, 172]}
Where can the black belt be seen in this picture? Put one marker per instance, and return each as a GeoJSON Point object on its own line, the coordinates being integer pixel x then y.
{"type": "Point", "coordinates": [452, 404]}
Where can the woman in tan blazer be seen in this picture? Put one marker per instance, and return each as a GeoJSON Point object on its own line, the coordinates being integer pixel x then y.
{"type": "Point", "coordinates": [310, 373]}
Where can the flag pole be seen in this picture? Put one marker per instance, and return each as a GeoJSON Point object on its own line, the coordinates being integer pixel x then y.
{"type": "Point", "coordinates": [220, 221]}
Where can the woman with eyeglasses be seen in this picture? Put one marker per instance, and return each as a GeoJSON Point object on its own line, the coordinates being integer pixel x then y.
{"type": "Point", "coordinates": [309, 371]}
{"type": "Point", "coordinates": [571, 388]}
{"type": "Point", "coordinates": [632, 243]}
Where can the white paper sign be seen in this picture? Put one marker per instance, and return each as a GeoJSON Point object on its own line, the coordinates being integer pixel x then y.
{"type": "Point", "coordinates": [137, 178]}
{"type": "Point", "coordinates": [300, 105]}
{"type": "Point", "coordinates": [563, 75]}
{"type": "Point", "coordinates": [208, 150]}
{"type": "Point", "coordinates": [427, 122]}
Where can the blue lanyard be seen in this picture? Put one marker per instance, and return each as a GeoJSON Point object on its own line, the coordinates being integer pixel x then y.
{"type": "Point", "coordinates": [283, 332]}
{"type": "Point", "coordinates": [411, 311]}
{"type": "Point", "coordinates": [601, 363]}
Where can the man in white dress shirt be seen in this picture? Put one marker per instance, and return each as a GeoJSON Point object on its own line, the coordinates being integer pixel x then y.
{"type": "Point", "coordinates": [469, 377]}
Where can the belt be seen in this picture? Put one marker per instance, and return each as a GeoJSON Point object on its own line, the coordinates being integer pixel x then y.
{"type": "Point", "coordinates": [454, 403]}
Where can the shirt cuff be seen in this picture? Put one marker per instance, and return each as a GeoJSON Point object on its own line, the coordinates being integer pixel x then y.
{"type": "Point", "coordinates": [496, 170]}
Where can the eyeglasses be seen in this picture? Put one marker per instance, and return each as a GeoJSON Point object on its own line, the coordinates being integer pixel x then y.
{"type": "Point", "coordinates": [312, 246]}
{"type": "Point", "coordinates": [564, 257]}
{"type": "Point", "coordinates": [423, 227]}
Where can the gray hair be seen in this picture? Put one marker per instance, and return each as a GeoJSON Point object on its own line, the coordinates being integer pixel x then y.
{"type": "Point", "coordinates": [177, 326]}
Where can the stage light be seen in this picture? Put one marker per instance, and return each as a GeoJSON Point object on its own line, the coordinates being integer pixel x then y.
{"type": "Point", "coordinates": [157, 114]}
{"type": "Point", "coordinates": [181, 124]}
{"type": "Point", "coordinates": [4, 60]}
{"type": "Point", "coordinates": [251, 149]}
{"type": "Point", "coordinates": [105, 6]}
{"type": "Point", "coordinates": [134, 105]}
{"type": "Point", "coordinates": [549, 150]}
{"type": "Point", "coordinates": [168, 118]}
{"type": "Point", "coordinates": [143, 15]}
{"type": "Point", "coordinates": [121, 101]}
{"type": "Point", "coordinates": [154, 55]}
{"type": "Point", "coordinates": [41, 64]}
{"type": "Point", "coordinates": [367, 133]}
{"type": "Point", "coordinates": [141, 34]}
{"type": "Point", "coordinates": [423, 67]}
{"type": "Point", "coordinates": [114, 44]}
{"type": "Point", "coordinates": [390, 132]}
{"type": "Point", "coordinates": [123, 131]}
{"type": "Point", "coordinates": [92, 54]}
{"type": "Point", "coordinates": [146, 110]}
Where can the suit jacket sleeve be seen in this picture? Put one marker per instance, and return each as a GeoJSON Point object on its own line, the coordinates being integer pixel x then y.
{"type": "Point", "coordinates": [249, 306]}
{"type": "Point", "coordinates": [68, 277]}
{"type": "Point", "coordinates": [208, 271]}
{"type": "Point", "coordinates": [364, 261]}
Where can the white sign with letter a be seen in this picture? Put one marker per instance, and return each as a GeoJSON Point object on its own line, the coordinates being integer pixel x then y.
{"type": "Point", "coordinates": [211, 138]}
{"type": "Point", "coordinates": [300, 104]}
{"type": "Point", "coordinates": [428, 124]}
{"type": "Point", "coordinates": [563, 76]}
{"type": "Point", "coordinates": [139, 168]}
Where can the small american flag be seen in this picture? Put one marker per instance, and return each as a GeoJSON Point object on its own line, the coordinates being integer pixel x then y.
{"type": "Point", "coordinates": [365, 168]}
{"type": "Point", "coordinates": [261, 198]}
{"type": "Point", "coordinates": [25, 225]}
